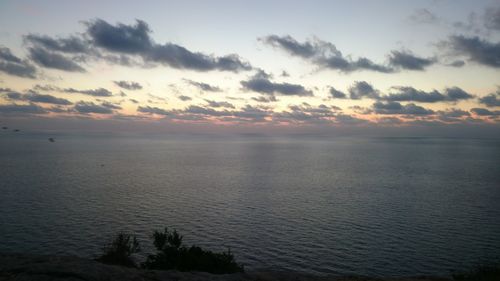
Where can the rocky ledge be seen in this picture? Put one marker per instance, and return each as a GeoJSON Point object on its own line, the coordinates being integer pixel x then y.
{"type": "Point", "coordinates": [58, 268]}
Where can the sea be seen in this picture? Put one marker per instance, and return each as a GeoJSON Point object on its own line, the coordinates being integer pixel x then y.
{"type": "Point", "coordinates": [377, 206]}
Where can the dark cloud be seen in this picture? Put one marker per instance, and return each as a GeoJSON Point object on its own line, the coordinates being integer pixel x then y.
{"type": "Point", "coordinates": [6, 55]}
{"type": "Point", "coordinates": [307, 49]}
{"type": "Point", "coordinates": [492, 18]}
{"type": "Point", "coordinates": [301, 117]}
{"type": "Point", "coordinates": [13, 65]}
{"type": "Point", "coordinates": [14, 96]}
{"type": "Point", "coordinates": [110, 105]}
{"type": "Point", "coordinates": [471, 24]}
{"type": "Point", "coordinates": [53, 60]}
{"type": "Point", "coordinates": [79, 48]}
{"type": "Point", "coordinates": [153, 110]}
{"type": "Point", "coordinates": [179, 57]}
{"type": "Point", "coordinates": [22, 70]}
{"type": "Point", "coordinates": [389, 120]}
{"type": "Point", "coordinates": [35, 97]}
{"type": "Point", "coordinates": [475, 49]}
{"type": "Point", "coordinates": [216, 104]}
{"type": "Point", "coordinates": [362, 89]}
{"type": "Point", "coordinates": [457, 63]}
{"type": "Point", "coordinates": [323, 53]}
{"type": "Point", "coordinates": [134, 101]}
{"type": "Point", "coordinates": [265, 99]}
{"type": "Point", "coordinates": [39, 87]}
{"type": "Point", "coordinates": [245, 114]}
{"type": "Point", "coordinates": [100, 92]}
{"type": "Point", "coordinates": [284, 74]}
{"type": "Point", "coordinates": [131, 39]}
{"type": "Point", "coordinates": [321, 114]}
{"type": "Point", "coordinates": [453, 94]}
{"type": "Point", "coordinates": [90, 107]}
{"type": "Point", "coordinates": [349, 119]}
{"type": "Point", "coordinates": [423, 16]}
{"type": "Point", "coordinates": [456, 94]}
{"type": "Point", "coordinates": [135, 40]}
{"type": "Point", "coordinates": [452, 115]}
{"type": "Point", "coordinates": [184, 98]}
{"type": "Point", "coordinates": [21, 109]}
{"type": "Point", "coordinates": [361, 110]}
{"type": "Point", "coordinates": [392, 107]}
{"type": "Point", "coordinates": [128, 85]}
{"type": "Point", "coordinates": [261, 84]}
{"type": "Point", "coordinates": [336, 94]}
{"type": "Point", "coordinates": [348, 65]}
{"type": "Point", "coordinates": [196, 109]}
{"type": "Point", "coordinates": [491, 100]}
{"type": "Point", "coordinates": [71, 44]}
{"type": "Point", "coordinates": [406, 60]}
{"type": "Point", "coordinates": [252, 113]}
{"type": "Point", "coordinates": [60, 109]}
{"type": "Point", "coordinates": [485, 112]}
{"type": "Point", "coordinates": [203, 86]}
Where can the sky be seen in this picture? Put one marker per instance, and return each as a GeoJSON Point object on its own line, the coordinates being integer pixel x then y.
{"type": "Point", "coordinates": [333, 67]}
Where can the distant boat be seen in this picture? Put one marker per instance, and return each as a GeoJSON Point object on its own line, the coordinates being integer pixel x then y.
{"type": "Point", "coordinates": [5, 128]}
{"type": "Point", "coordinates": [16, 130]}
{"type": "Point", "coordinates": [52, 140]}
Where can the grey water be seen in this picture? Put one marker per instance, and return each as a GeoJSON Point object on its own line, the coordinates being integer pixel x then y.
{"type": "Point", "coordinates": [323, 205]}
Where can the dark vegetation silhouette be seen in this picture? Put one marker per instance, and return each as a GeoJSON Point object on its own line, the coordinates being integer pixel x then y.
{"type": "Point", "coordinates": [120, 250]}
{"type": "Point", "coordinates": [171, 254]}
{"type": "Point", "coordinates": [483, 272]}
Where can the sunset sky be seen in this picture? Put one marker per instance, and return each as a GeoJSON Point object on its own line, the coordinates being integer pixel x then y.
{"type": "Point", "coordinates": [251, 66]}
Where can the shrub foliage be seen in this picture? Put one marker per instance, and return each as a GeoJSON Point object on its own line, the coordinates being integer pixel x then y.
{"type": "Point", "coordinates": [120, 250]}
{"type": "Point", "coordinates": [172, 254]}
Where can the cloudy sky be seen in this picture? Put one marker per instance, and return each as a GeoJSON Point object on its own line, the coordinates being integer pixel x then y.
{"type": "Point", "coordinates": [251, 66]}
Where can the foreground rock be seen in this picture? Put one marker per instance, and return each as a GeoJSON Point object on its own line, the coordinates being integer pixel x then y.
{"type": "Point", "coordinates": [45, 268]}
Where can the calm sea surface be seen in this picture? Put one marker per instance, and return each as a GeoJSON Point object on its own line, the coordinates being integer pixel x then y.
{"type": "Point", "coordinates": [376, 206]}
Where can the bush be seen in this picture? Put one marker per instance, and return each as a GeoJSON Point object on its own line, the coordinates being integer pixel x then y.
{"type": "Point", "coordinates": [173, 255]}
{"type": "Point", "coordinates": [486, 272]}
{"type": "Point", "coordinates": [120, 250]}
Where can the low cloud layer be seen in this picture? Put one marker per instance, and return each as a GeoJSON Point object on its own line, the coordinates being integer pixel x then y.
{"type": "Point", "coordinates": [203, 86]}
{"type": "Point", "coordinates": [392, 107]}
{"type": "Point", "coordinates": [35, 97]}
{"type": "Point", "coordinates": [323, 53]}
{"type": "Point", "coordinates": [99, 92]}
{"type": "Point", "coordinates": [326, 54]}
{"type": "Point", "coordinates": [475, 49]}
{"type": "Point", "coordinates": [53, 60]}
{"type": "Point", "coordinates": [261, 83]}
{"type": "Point", "coordinates": [13, 65]}
{"type": "Point", "coordinates": [362, 89]}
{"type": "Point", "coordinates": [491, 100]}
{"type": "Point", "coordinates": [453, 94]}
{"type": "Point", "coordinates": [21, 109]}
{"type": "Point", "coordinates": [90, 107]}
{"type": "Point", "coordinates": [407, 60]}
{"type": "Point", "coordinates": [128, 85]}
